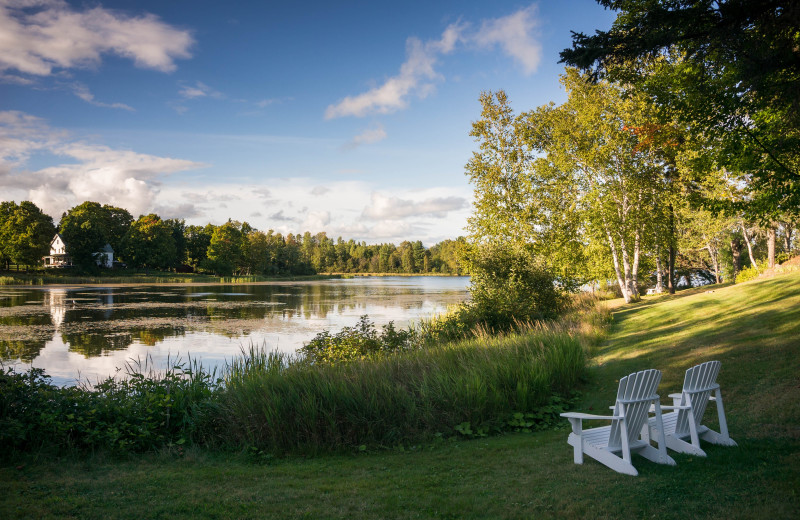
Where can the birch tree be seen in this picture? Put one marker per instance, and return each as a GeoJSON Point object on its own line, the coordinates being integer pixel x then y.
{"type": "Point", "coordinates": [589, 143]}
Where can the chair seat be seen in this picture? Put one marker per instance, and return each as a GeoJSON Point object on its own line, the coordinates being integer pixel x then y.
{"type": "Point", "coordinates": [670, 420]}
{"type": "Point", "coordinates": [598, 437]}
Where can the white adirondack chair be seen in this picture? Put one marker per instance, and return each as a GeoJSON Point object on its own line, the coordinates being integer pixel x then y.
{"type": "Point", "coordinates": [628, 433]}
{"type": "Point", "coordinates": [682, 428]}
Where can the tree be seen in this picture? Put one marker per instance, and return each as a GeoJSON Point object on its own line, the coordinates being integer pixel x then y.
{"type": "Point", "coordinates": [85, 233]}
{"type": "Point", "coordinates": [197, 239]}
{"type": "Point", "coordinates": [117, 223]}
{"type": "Point", "coordinates": [150, 243]}
{"type": "Point", "coordinates": [225, 248]}
{"type": "Point", "coordinates": [588, 158]}
{"type": "Point", "coordinates": [727, 68]}
{"type": "Point", "coordinates": [25, 233]}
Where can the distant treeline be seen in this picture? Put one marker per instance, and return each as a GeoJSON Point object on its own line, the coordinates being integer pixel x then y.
{"type": "Point", "coordinates": [232, 248]}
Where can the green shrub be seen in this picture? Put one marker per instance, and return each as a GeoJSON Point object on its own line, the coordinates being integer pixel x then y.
{"type": "Point", "coordinates": [359, 342]}
{"type": "Point", "coordinates": [751, 272]}
{"type": "Point", "coordinates": [138, 413]}
{"type": "Point", "coordinates": [508, 286]}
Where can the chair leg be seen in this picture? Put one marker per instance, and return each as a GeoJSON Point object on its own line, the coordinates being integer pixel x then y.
{"type": "Point", "coordinates": [724, 438]}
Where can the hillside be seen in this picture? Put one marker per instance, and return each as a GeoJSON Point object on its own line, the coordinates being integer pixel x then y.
{"type": "Point", "coordinates": [752, 328]}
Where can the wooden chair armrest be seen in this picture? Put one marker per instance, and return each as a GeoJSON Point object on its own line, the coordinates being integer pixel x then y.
{"type": "Point", "coordinates": [576, 415]}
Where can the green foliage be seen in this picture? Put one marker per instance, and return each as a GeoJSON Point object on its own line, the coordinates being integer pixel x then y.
{"type": "Point", "coordinates": [727, 70]}
{"type": "Point", "coordinates": [85, 231]}
{"type": "Point", "coordinates": [225, 248]}
{"type": "Point", "coordinates": [359, 342]}
{"type": "Point", "coordinates": [279, 405]}
{"type": "Point", "coordinates": [137, 413]}
{"type": "Point", "coordinates": [25, 233]}
{"type": "Point", "coordinates": [751, 272]}
{"type": "Point", "coordinates": [150, 242]}
{"type": "Point", "coordinates": [509, 285]}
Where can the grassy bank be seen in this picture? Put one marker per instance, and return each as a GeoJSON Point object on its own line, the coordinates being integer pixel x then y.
{"type": "Point", "coordinates": [753, 328]}
{"type": "Point", "coordinates": [50, 277]}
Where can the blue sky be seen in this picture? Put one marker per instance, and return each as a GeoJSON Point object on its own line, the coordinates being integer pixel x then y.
{"type": "Point", "coordinates": [346, 117]}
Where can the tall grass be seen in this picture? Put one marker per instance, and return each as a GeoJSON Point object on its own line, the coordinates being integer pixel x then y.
{"type": "Point", "coordinates": [281, 405]}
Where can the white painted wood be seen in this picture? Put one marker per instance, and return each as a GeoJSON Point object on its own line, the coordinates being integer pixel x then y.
{"type": "Point", "coordinates": [629, 431]}
{"type": "Point", "coordinates": [683, 427]}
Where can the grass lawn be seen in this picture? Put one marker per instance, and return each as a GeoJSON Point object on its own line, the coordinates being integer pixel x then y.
{"type": "Point", "coordinates": [753, 328]}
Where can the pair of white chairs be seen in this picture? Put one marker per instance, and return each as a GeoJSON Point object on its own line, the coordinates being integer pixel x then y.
{"type": "Point", "coordinates": [632, 425]}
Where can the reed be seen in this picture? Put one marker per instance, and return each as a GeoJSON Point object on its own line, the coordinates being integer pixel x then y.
{"type": "Point", "coordinates": [280, 404]}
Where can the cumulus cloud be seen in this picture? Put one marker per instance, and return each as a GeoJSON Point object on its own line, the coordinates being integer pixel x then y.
{"type": "Point", "coordinates": [82, 91]}
{"type": "Point", "coordinates": [90, 171]}
{"type": "Point", "coordinates": [416, 76]}
{"type": "Point", "coordinates": [383, 207]}
{"type": "Point", "coordinates": [318, 191]}
{"type": "Point", "coordinates": [368, 136]}
{"type": "Point", "coordinates": [39, 36]}
{"type": "Point", "coordinates": [515, 34]}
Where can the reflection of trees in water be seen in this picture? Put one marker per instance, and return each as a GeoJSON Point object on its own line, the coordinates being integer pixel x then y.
{"type": "Point", "coordinates": [95, 344]}
{"type": "Point", "coordinates": [92, 345]}
{"type": "Point", "coordinates": [11, 298]}
{"type": "Point", "coordinates": [24, 350]}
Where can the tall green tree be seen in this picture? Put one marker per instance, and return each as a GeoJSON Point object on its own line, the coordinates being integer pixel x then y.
{"type": "Point", "coordinates": [25, 233]}
{"type": "Point", "coordinates": [85, 231]}
{"type": "Point", "coordinates": [225, 248]}
{"type": "Point", "coordinates": [150, 243]}
{"type": "Point", "coordinates": [729, 69]}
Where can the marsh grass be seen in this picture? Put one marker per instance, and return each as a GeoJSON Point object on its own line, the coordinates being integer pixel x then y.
{"type": "Point", "coordinates": [281, 405]}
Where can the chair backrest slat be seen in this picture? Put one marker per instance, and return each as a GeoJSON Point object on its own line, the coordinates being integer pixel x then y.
{"type": "Point", "coordinates": [700, 380]}
{"type": "Point", "coordinates": [634, 396]}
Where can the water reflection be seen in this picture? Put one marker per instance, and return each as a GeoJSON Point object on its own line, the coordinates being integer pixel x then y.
{"type": "Point", "coordinates": [94, 330]}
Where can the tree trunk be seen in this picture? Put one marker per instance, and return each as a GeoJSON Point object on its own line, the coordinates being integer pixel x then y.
{"type": "Point", "coordinates": [615, 257]}
{"type": "Point", "coordinates": [787, 237]}
{"type": "Point", "coordinates": [659, 271]}
{"type": "Point", "coordinates": [750, 249]}
{"type": "Point", "coordinates": [736, 251]}
{"type": "Point", "coordinates": [713, 252]}
{"type": "Point", "coordinates": [635, 268]}
{"type": "Point", "coordinates": [671, 258]}
{"type": "Point", "coordinates": [771, 245]}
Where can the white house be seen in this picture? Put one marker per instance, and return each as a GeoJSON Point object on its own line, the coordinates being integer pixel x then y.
{"type": "Point", "coordinates": [59, 257]}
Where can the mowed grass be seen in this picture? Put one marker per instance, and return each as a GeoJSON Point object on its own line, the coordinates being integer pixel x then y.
{"type": "Point", "coordinates": [753, 328]}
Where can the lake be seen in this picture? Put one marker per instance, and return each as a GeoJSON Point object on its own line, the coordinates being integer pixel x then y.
{"type": "Point", "coordinates": [90, 332]}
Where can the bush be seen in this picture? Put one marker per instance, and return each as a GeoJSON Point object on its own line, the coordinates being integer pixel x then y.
{"type": "Point", "coordinates": [751, 272]}
{"type": "Point", "coordinates": [509, 286]}
{"type": "Point", "coordinates": [138, 413]}
{"type": "Point", "coordinates": [359, 342]}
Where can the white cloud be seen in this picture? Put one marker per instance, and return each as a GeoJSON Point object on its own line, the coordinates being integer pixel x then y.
{"type": "Point", "coordinates": [82, 91]}
{"type": "Point", "coordinates": [368, 136]}
{"type": "Point", "coordinates": [515, 33]}
{"type": "Point", "coordinates": [408, 215]}
{"type": "Point", "coordinates": [90, 171]}
{"type": "Point", "coordinates": [38, 36]}
{"type": "Point", "coordinates": [318, 191]}
{"type": "Point", "coordinates": [416, 76]}
{"type": "Point", "coordinates": [199, 89]}
{"type": "Point", "coordinates": [394, 208]}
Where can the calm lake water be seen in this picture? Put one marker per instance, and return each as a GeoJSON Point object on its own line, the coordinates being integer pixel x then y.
{"type": "Point", "coordinates": [89, 332]}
